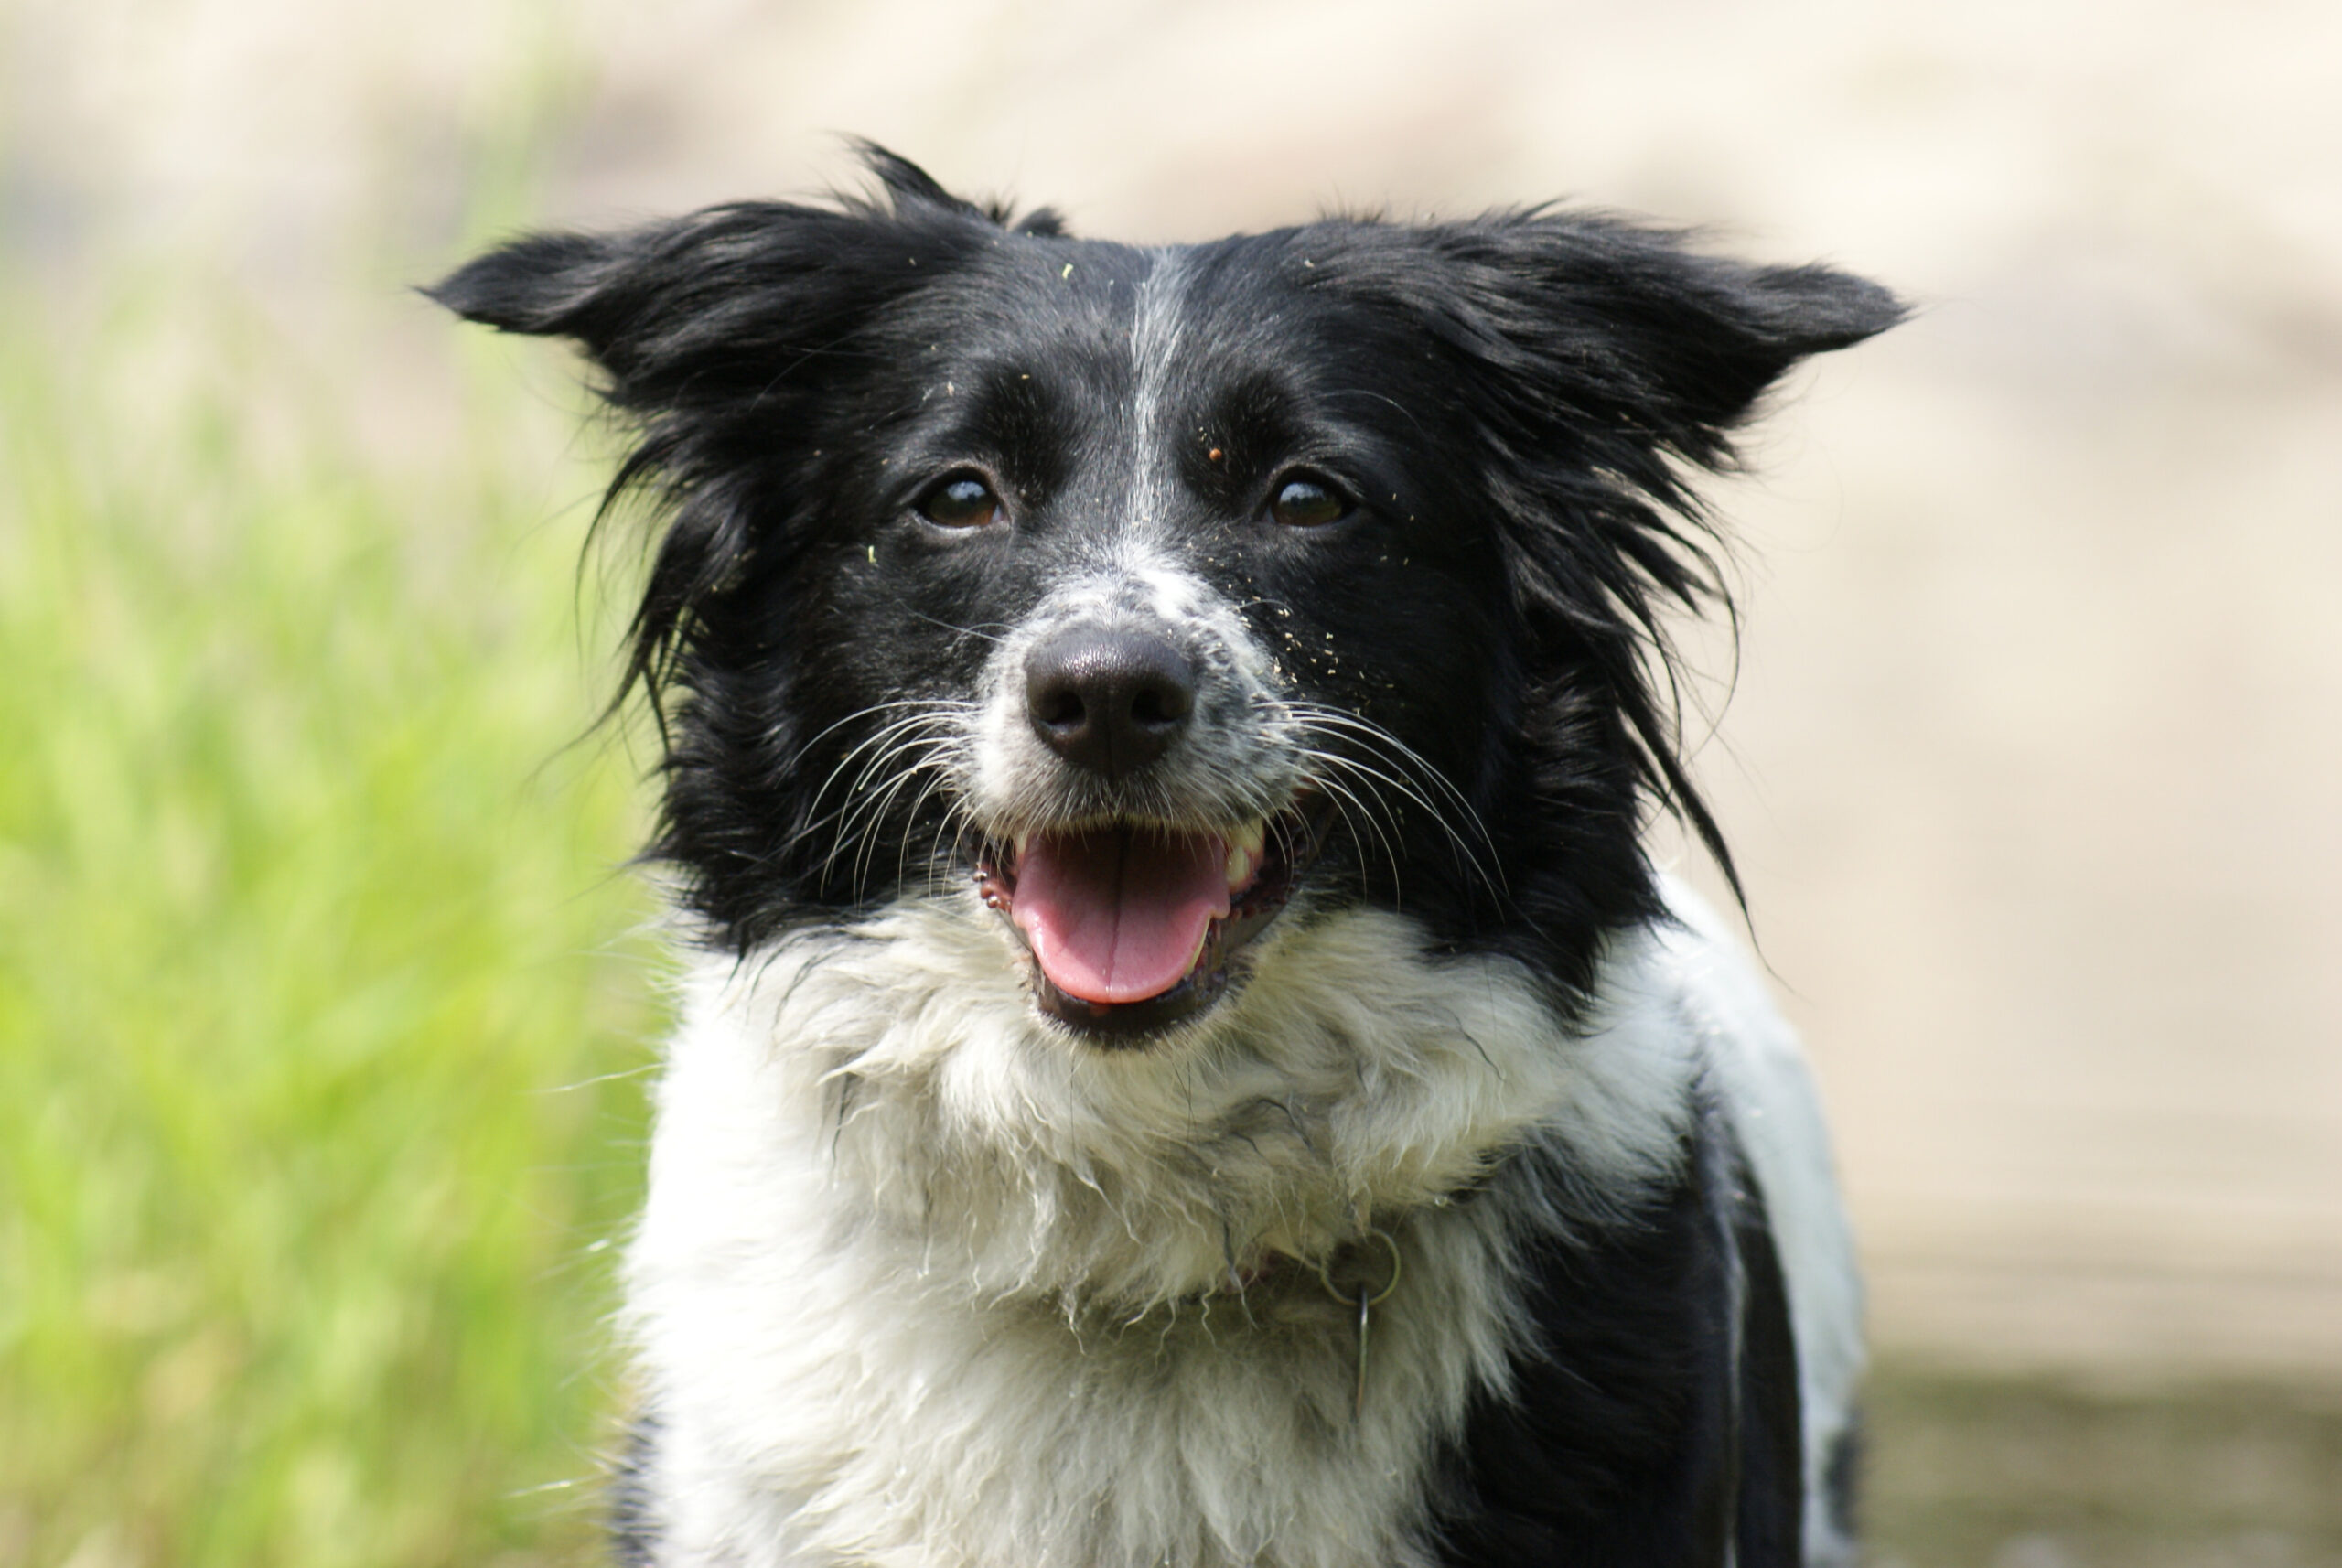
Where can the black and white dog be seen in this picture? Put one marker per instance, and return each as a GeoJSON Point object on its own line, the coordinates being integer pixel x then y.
{"type": "Point", "coordinates": [1188, 1060]}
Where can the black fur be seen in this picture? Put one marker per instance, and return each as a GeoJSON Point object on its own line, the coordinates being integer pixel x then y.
{"type": "Point", "coordinates": [1516, 403]}
{"type": "Point", "coordinates": [633, 1532]}
{"type": "Point", "coordinates": [1656, 1419]}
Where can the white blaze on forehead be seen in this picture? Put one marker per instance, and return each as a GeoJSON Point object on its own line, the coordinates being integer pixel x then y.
{"type": "Point", "coordinates": [1173, 595]}
{"type": "Point", "coordinates": [1142, 583]}
{"type": "Point", "coordinates": [1156, 337]}
{"type": "Point", "coordinates": [1148, 585]}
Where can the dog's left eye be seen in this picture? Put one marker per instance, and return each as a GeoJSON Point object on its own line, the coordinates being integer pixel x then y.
{"type": "Point", "coordinates": [960, 500]}
{"type": "Point", "coordinates": [1304, 500]}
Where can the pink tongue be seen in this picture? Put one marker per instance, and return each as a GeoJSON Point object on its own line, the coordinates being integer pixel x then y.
{"type": "Point", "coordinates": [1119, 915]}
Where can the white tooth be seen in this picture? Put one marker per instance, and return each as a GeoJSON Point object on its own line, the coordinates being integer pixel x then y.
{"type": "Point", "coordinates": [1245, 852]}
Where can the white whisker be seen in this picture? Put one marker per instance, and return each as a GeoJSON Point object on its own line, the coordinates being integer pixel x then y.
{"type": "Point", "coordinates": [1402, 767]}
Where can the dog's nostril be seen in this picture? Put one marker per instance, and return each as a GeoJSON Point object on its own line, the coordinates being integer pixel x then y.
{"type": "Point", "coordinates": [1058, 707]}
{"type": "Point", "coordinates": [1108, 700]}
{"type": "Point", "coordinates": [1162, 703]}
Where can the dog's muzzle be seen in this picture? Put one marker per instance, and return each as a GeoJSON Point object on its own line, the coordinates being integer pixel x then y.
{"type": "Point", "coordinates": [1131, 918]}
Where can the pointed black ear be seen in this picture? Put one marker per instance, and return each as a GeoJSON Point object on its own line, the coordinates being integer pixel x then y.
{"type": "Point", "coordinates": [750, 302]}
{"type": "Point", "coordinates": [1701, 339]}
{"type": "Point", "coordinates": [1615, 335]}
{"type": "Point", "coordinates": [1628, 325]}
{"type": "Point", "coordinates": [704, 301]}
{"type": "Point", "coordinates": [1724, 333]}
{"type": "Point", "coordinates": [672, 304]}
{"type": "Point", "coordinates": [566, 285]}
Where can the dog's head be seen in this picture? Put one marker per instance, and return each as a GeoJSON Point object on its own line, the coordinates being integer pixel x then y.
{"type": "Point", "coordinates": [1129, 597]}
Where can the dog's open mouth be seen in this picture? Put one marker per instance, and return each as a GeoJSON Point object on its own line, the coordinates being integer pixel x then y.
{"type": "Point", "coordinates": [1130, 926]}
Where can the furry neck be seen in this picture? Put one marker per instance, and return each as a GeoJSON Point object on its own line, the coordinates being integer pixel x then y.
{"type": "Point", "coordinates": [1005, 1159]}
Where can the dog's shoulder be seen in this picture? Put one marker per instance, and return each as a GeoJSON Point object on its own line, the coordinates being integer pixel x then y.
{"type": "Point", "coordinates": [1685, 1361]}
{"type": "Point", "coordinates": [1774, 1108]}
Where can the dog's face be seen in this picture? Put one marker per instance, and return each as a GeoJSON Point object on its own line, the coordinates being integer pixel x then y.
{"type": "Point", "coordinates": [1138, 600]}
{"type": "Point", "coordinates": [1159, 608]}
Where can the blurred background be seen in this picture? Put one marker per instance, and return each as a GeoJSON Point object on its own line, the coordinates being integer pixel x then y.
{"type": "Point", "coordinates": [325, 1007]}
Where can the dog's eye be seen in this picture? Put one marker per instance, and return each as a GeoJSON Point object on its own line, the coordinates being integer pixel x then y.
{"type": "Point", "coordinates": [1304, 501]}
{"type": "Point", "coordinates": [960, 500]}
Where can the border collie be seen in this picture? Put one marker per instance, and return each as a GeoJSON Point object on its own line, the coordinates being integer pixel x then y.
{"type": "Point", "coordinates": [1186, 1058]}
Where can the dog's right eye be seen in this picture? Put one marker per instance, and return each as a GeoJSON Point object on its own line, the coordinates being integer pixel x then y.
{"type": "Point", "coordinates": [1306, 501]}
{"type": "Point", "coordinates": [960, 500]}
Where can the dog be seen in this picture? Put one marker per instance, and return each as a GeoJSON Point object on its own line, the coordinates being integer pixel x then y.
{"type": "Point", "coordinates": [1185, 1056]}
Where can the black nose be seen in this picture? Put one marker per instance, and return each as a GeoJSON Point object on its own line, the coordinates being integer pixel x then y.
{"type": "Point", "coordinates": [1111, 701]}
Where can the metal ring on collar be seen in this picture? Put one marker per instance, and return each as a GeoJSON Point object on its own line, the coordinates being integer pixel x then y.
{"type": "Point", "coordinates": [1326, 1278]}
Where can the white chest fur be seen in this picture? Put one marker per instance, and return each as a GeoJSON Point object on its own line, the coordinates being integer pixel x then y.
{"type": "Point", "coordinates": [922, 1282]}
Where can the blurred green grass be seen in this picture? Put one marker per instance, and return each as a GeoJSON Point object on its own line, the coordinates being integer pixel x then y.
{"type": "Point", "coordinates": [322, 1012]}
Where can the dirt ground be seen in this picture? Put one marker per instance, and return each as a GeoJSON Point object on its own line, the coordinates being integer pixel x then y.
{"type": "Point", "coordinates": [2033, 759]}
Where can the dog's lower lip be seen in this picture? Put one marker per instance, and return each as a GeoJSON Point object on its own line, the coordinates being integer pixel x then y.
{"type": "Point", "coordinates": [1265, 861]}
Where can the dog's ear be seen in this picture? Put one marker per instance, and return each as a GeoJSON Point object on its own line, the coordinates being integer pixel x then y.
{"type": "Point", "coordinates": [697, 310]}
{"type": "Point", "coordinates": [685, 313]}
{"type": "Point", "coordinates": [1605, 331]}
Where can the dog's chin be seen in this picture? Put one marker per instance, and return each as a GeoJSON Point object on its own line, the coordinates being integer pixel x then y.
{"type": "Point", "coordinates": [1265, 862]}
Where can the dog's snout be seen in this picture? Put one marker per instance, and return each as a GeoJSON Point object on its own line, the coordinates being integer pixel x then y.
{"type": "Point", "coordinates": [1108, 700]}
